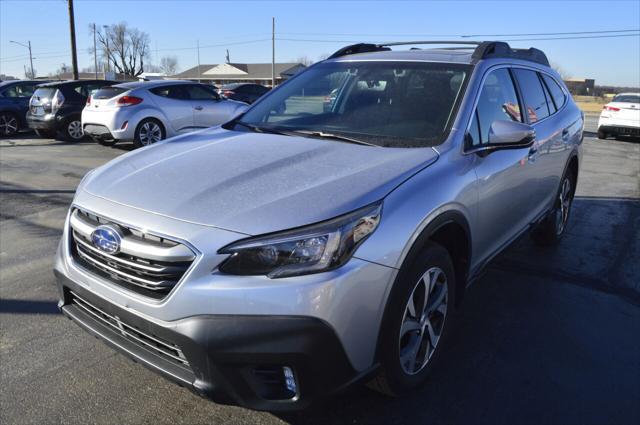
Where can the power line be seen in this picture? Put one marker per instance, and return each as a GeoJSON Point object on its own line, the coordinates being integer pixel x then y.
{"type": "Point", "coordinates": [461, 35]}
{"type": "Point", "coordinates": [307, 40]}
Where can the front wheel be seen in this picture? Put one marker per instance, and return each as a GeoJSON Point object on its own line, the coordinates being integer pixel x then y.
{"type": "Point", "coordinates": [552, 228]}
{"type": "Point", "coordinates": [8, 124]}
{"type": "Point", "coordinates": [417, 320]}
{"type": "Point", "coordinates": [148, 132]}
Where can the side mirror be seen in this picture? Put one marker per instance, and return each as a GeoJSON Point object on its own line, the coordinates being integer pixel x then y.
{"type": "Point", "coordinates": [510, 134]}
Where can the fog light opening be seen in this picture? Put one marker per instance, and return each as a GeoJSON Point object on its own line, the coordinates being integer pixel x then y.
{"type": "Point", "coordinates": [290, 380]}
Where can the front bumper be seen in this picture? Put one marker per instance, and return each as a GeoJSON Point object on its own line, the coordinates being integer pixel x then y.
{"type": "Point", "coordinates": [231, 359]}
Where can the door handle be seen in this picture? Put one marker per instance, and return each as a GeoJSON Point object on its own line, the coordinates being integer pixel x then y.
{"type": "Point", "coordinates": [198, 108]}
{"type": "Point", "coordinates": [565, 134]}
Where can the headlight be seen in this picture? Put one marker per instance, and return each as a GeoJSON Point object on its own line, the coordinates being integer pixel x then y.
{"type": "Point", "coordinates": [311, 249]}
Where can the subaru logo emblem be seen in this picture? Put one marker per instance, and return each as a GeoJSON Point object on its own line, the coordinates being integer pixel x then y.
{"type": "Point", "coordinates": [106, 239]}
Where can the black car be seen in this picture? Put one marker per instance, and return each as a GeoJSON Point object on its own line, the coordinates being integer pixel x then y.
{"type": "Point", "coordinates": [57, 107]}
{"type": "Point", "coordinates": [14, 104]}
{"type": "Point", "coordinates": [244, 92]}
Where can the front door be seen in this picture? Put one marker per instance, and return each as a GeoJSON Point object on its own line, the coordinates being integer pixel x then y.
{"type": "Point", "coordinates": [506, 178]}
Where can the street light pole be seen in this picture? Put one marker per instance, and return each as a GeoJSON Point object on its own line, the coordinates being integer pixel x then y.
{"type": "Point", "coordinates": [72, 33]}
{"type": "Point", "coordinates": [95, 51]}
{"type": "Point", "coordinates": [273, 52]}
{"type": "Point", "coordinates": [28, 46]}
{"type": "Point", "coordinates": [106, 37]}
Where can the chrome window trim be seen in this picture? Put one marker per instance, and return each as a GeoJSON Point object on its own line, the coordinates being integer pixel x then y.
{"type": "Point", "coordinates": [481, 148]}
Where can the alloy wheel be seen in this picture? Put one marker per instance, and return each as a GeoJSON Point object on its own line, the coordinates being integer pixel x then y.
{"type": "Point", "coordinates": [150, 133]}
{"type": "Point", "coordinates": [564, 204]}
{"type": "Point", "coordinates": [74, 129]}
{"type": "Point", "coordinates": [8, 124]}
{"type": "Point", "coordinates": [423, 320]}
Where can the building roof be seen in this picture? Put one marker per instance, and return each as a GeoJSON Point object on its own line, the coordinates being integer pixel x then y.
{"type": "Point", "coordinates": [239, 71]}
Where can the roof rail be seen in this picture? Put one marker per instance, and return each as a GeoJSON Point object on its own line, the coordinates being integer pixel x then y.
{"type": "Point", "coordinates": [482, 50]}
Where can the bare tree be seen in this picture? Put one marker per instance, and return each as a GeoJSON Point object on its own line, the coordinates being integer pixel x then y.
{"type": "Point", "coordinates": [169, 65]}
{"type": "Point", "coordinates": [560, 70]}
{"type": "Point", "coordinates": [125, 47]}
{"type": "Point", "coordinates": [58, 73]}
{"type": "Point", "coordinates": [323, 56]}
{"type": "Point", "coordinates": [304, 60]}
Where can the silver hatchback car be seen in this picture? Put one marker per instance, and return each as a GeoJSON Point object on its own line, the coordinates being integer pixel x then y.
{"type": "Point", "coordinates": [309, 244]}
{"type": "Point", "coordinates": [147, 112]}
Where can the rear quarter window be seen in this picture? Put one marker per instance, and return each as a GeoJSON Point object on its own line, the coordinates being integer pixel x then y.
{"type": "Point", "coordinates": [559, 98]}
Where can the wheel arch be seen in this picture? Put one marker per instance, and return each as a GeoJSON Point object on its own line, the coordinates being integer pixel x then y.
{"type": "Point", "coordinates": [451, 230]}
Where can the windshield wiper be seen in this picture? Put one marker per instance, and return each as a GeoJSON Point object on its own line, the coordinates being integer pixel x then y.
{"type": "Point", "coordinates": [324, 135]}
{"type": "Point", "coordinates": [258, 129]}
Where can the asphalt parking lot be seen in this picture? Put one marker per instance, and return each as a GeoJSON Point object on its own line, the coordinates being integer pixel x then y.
{"type": "Point", "coordinates": [547, 335]}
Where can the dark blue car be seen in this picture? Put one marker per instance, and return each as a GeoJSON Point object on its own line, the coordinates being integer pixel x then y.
{"type": "Point", "coordinates": [14, 103]}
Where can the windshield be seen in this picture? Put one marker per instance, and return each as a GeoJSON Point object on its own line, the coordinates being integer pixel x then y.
{"type": "Point", "coordinates": [627, 98]}
{"type": "Point", "coordinates": [394, 104]}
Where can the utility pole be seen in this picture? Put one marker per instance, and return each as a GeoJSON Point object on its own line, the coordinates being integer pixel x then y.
{"type": "Point", "coordinates": [106, 37]}
{"type": "Point", "coordinates": [273, 52]}
{"type": "Point", "coordinates": [95, 51]}
{"type": "Point", "coordinates": [28, 46]}
{"type": "Point", "coordinates": [72, 32]}
{"type": "Point", "coordinates": [198, 47]}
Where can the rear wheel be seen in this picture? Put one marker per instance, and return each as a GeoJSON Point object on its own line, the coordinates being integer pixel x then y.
{"type": "Point", "coordinates": [73, 130]}
{"type": "Point", "coordinates": [552, 228]}
{"type": "Point", "coordinates": [148, 132]}
{"type": "Point", "coordinates": [417, 320]}
{"type": "Point", "coordinates": [8, 124]}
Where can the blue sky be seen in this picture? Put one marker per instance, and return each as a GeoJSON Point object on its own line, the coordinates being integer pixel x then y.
{"type": "Point", "coordinates": [175, 26]}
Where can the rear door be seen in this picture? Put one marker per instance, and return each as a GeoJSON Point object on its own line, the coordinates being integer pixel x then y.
{"type": "Point", "coordinates": [174, 103]}
{"type": "Point", "coordinates": [208, 109]}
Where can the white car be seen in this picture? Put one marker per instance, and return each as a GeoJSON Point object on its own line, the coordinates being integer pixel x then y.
{"type": "Point", "coordinates": [147, 112]}
{"type": "Point", "coordinates": [620, 117]}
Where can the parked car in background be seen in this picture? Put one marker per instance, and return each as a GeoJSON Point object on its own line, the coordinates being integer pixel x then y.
{"type": "Point", "coordinates": [620, 117]}
{"type": "Point", "coordinates": [243, 92]}
{"type": "Point", "coordinates": [147, 112]}
{"type": "Point", "coordinates": [56, 107]}
{"type": "Point", "coordinates": [293, 250]}
{"type": "Point", "coordinates": [14, 104]}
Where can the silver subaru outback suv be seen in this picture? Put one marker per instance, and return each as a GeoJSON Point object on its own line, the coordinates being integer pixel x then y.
{"type": "Point", "coordinates": [327, 235]}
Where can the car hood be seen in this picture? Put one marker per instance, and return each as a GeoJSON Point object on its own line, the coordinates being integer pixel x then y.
{"type": "Point", "coordinates": [254, 183]}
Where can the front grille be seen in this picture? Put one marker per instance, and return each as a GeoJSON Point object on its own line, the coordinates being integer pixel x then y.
{"type": "Point", "coordinates": [146, 264]}
{"type": "Point", "coordinates": [156, 345]}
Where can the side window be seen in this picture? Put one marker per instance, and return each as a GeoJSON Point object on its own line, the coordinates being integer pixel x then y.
{"type": "Point", "coordinates": [19, 90]}
{"type": "Point", "coordinates": [533, 95]}
{"type": "Point", "coordinates": [498, 101]}
{"type": "Point", "coordinates": [557, 94]}
{"type": "Point", "coordinates": [172, 92]}
{"type": "Point", "coordinates": [550, 104]}
{"type": "Point", "coordinates": [197, 92]}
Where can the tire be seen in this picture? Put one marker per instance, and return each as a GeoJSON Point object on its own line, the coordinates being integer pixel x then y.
{"type": "Point", "coordinates": [148, 132]}
{"type": "Point", "coordinates": [73, 130]}
{"type": "Point", "coordinates": [47, 134]}
{"type": "Point", "coordinates": [602, 135]}
{"type": "Point", "coordinates": [408, 352]}
{"type": "Point", "coordinates": [551, 229]}
{"type": "Point", "coordinates": [9, 124]}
